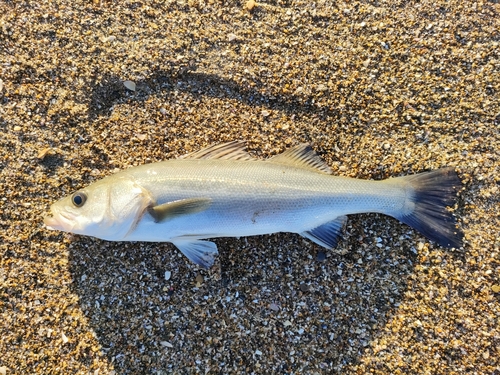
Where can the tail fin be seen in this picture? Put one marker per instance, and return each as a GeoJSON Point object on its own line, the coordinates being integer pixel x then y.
{"type": "Point", "coordinates": [430, 193]}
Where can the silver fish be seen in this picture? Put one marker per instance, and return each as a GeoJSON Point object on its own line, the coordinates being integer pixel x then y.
{"type": "Point", "coordinates": [222, 191]}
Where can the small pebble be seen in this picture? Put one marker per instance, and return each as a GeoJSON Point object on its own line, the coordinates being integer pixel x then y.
{"type": "Point", "coordinates": [199, 279]}
{"type": "Point", "coordinates": [305, 287]}
{"type": "Point", "coordinates": [166, 344]}
{"type": "Point", "coordinates": [168, 274]}
{"type": "Point", "coordinates": [321, 256]}
{"type": "Point", "coordinates": [44, 152]}
{"type": "Point", "coordinates": [129, 85]}
{"type": "Point", "coordinates": [250, 5]}
{"type": "Point", "coordinates": [321, 87]}
{"type": "Point", "coordinates": [110, 38]}
{"type": "Point", "coordinates": [274, 307]}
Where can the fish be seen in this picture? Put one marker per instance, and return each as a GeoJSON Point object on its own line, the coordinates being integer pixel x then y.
{"type": "Point", "coordinates": [223, 191]}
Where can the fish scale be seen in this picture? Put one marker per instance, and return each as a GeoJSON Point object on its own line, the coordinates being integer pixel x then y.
{"type": "Point", "coordinates": [243, 189]}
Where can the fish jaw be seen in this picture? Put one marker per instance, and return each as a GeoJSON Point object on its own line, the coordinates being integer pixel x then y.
{"type": "Point", "coordinates": [60, 221]}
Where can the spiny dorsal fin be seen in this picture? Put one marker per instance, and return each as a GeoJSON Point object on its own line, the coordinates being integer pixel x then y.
{"type": "Point", "coordinates": [235, 150]}
{"type": "Point", "coordinates": [178, 208]}
{"type": "Point", "coordinates": [302, 156]}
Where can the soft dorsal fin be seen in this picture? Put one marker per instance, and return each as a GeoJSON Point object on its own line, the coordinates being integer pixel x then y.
{"type": "Point", "coordinates": [302, 156]}
{"type": "Point", "coordinates": [235, 150]}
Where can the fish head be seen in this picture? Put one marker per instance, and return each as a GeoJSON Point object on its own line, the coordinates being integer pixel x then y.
{"type": "Point", "coordinates": [108, 209]}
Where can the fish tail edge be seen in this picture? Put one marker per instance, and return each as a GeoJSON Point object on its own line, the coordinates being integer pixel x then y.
{"type": "Point", "coordinates": [431, 195]}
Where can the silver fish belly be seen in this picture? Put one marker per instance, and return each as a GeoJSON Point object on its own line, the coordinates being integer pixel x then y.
{"type": "Point", "coordinates": [222, 191]}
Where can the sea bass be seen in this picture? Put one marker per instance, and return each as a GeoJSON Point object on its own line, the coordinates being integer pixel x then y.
{"type": "Point", "coordinates": [222, 191]}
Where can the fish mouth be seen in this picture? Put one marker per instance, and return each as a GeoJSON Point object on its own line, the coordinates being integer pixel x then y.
{"type": "Point", "coordinates": [59, 221]}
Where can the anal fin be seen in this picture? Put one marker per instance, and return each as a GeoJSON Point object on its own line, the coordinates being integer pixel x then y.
{"type": "Point", "coordinates": [327, 234]}
{"type": "Point", "coordinates": [199, 252]}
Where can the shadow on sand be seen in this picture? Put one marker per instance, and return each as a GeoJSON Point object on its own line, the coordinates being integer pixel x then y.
{"type": "Point", "coordinates": [265, 294]}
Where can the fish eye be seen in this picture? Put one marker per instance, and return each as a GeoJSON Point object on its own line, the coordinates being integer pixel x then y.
{"type": "Point", "coordinates": [79, 199]}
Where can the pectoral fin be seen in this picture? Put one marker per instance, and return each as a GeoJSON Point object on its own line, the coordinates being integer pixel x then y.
{"type": "Point", "coordinates": [199, 252]}
{"type": "Point", "coordinates": [178, 208]}
{"type": "Point", "coordinates": [326, 235]}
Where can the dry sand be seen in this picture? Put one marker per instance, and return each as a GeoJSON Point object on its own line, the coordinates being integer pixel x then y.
{"type": "Point", "coordinates": [379, 88]}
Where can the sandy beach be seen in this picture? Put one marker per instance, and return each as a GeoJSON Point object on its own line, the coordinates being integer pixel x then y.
{"type": "Point", "coordinates": [378, 88]}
